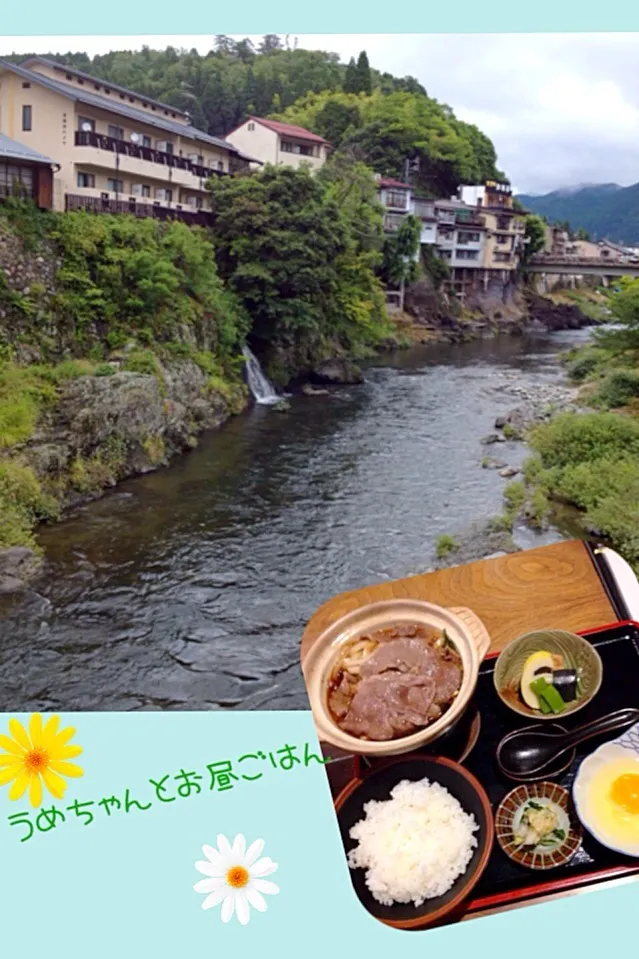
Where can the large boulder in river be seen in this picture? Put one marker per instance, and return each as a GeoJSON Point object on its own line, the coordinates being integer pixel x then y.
{"type": "Point", "coordinates": [339, 370]}
{"type": "Point", "coordinates": [557, 316]}
{"type": "Point", "coordinates": [104, 428]}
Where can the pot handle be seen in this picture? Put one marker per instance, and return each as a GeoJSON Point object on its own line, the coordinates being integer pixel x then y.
{"type": "Point", "coordinates": [478, 632]}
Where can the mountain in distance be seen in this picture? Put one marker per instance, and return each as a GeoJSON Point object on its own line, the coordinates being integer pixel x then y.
{"type": "Point", "coordinates": [605, 210]}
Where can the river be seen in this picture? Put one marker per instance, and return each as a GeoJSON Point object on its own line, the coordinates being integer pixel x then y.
{"type": "Point", "coordinates": [189, 588]}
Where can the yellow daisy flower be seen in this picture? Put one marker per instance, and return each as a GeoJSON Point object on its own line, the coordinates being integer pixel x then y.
{"type": "Point", "coordinates": [39, 757]}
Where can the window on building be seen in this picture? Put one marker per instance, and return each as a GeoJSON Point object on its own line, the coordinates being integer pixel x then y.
{"type": "Point", "coordinates": [141, 189]}
{"type": "Point", "coordinates": [502, 238]}
{"type": "Point", "coordinates": [115, 186]}
{"type": "Point", "coordinates": [503, 222]}
{"type": "Point", "coordinates": [396, 198]}
{"type": "Point", "coordinates": [27, 117]}
{"type": "Point", "coordinates": [251, 126]}
{"type": "Point", "coordinates": [464, 236]}
{"type": "Point", "coordinates": [15, 179]}
{"type": "Point", "coordinates": [26, 86]}
{"type": "Point", "coordinates": [86, 181]}
{"type": "Point", "coordinates": [162, 193]}
{"type": "Point", "coordinates": [86, 122]}
{"type": "Point", "coordinates": [220, 165]}
{"type": "Point", "coordinates": [445, 254]}
{"type": "Point", "coordinates": [467, 254]}
{"type": "Point", "coordinates": [116, 133]}
{"type": "Point", "coordinates": [146, 142]}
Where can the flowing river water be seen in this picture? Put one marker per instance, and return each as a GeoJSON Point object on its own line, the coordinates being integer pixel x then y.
{"type": "Point", "coordinates": [189, 588]}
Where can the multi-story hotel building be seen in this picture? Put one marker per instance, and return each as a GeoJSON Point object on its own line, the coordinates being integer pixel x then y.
{"type": "Point", "coordinates": [117, 150]}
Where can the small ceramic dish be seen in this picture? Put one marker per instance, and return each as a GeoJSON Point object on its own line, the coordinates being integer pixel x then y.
{"type": "Point", "coordinates": [606, 793]}
{"type": "Point", "coordinates": [577, 653]}
{"type": "Point", "coordinates": [560, 847]}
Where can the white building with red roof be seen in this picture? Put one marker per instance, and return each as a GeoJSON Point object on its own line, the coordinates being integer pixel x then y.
{"type": "Point", "coordinates": [282, 144]}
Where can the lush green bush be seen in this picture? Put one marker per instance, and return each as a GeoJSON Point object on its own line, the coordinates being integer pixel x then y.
{"type": "Point", "coordinates": [445, 544]}
{"type": "Point", "coordinates": [591, 461]}
{"type": "Point", "coordinates": [572, 438]}
{"type": "Point", "coordinates": [23, 504]}
{"type": "Point", "coordinates": [142, 361]}
{"type": "Point", "coordinates": [515, 496]}
{"type": "Point", "coordinates": [618, 388]}
{"type": "Point", "coordinates": [104, 369]}
{"type": "Point", "coordinates": [582, 364]}
{"type": "Point", "coordinates": [126, 278]}
{"type": "Point", "coordinates": [23, 392]}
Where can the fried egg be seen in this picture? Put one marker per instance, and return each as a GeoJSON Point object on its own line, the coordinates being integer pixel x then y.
{"type": "Point", "coordinates": [608, 800]}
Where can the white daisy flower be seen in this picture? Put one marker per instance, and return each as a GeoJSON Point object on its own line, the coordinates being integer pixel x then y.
{"type": "Point", "coordinates": [236, 877]}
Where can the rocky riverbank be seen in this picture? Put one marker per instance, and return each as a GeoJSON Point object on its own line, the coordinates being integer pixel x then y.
{"type": "Point", "coordinates": [94, 431]}
{"type": "Point", "coordinates": [432, 314]}
{"type": "Point", "coordinates": [535, 404]}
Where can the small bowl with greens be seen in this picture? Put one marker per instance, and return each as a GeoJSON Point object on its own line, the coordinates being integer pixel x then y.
{"type": "Point", "coordinates": [537, 827]}
{"type": "Point", "coordinates": [548, 674]}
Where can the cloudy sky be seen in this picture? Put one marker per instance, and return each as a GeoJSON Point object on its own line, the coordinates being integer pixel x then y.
{"type": "Point", "coordinates": [562, 109]}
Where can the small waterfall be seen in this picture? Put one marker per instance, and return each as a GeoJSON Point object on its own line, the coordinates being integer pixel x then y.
{"type": "Point", "coordinates": [259, 386]}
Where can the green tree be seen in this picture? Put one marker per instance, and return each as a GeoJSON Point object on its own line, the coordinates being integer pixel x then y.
{"type": "Point", "coordinates": [351, 78]}
{"type": "Point", "coordinates": [400, 255]}
{"type": "Point", "coordinates": [625, 309]}
{"type": "Point", "coordinates": [363, 71]}
{"type": "Point", "coordinates": [534, 237]}
{"type": "Point", "coordinates": [399, 124]}
{"type": "Point", "coordinates": [287, 251]}
{"type": "Point", "coordinates": [271, 43]}
{"type": "Point", "coordinates": [335, 120]}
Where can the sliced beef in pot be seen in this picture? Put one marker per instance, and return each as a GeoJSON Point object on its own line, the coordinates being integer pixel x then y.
{"type": "Point", "coordinates": [389, 705]}
{"type": "Point", "coordinates": [405, 655]}
{"type": "Point", "coordinates": [447, 680]}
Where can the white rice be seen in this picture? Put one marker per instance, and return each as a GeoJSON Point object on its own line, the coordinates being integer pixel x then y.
{"type": "Point", "coordinates": [415, 845]}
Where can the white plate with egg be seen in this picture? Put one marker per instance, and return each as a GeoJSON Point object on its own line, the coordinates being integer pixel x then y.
{"type": "Point", "coordinates": [606, 793]}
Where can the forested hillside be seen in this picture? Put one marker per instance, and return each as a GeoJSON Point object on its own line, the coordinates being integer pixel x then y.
{"type": "Point", "coordinates": [381, 119]}
{"type": "Point", "coordinates": [604, 211]}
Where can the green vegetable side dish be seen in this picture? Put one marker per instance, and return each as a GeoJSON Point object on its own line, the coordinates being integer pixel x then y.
{"type": "Point", "coordinates": [548, 695]}
{"type": "Point", "coordinates": [546, 685]}
{"type": "Point", "coordinates": [540, 826]}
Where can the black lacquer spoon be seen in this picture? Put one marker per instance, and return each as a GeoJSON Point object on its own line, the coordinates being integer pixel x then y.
{"type": "Point", "coordinates": [528, 751]}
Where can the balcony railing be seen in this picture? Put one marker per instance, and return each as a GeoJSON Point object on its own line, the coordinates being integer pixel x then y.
{"type": "Point", "coordinates": [102, 142]}
{"type": "Point", "coordinates": [466, 218]}
{"type": "Point", "coordinates": [95, 204]}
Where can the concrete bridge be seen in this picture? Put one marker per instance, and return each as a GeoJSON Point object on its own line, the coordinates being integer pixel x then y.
{"type": "Point", "coordinates": [581, 266]}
